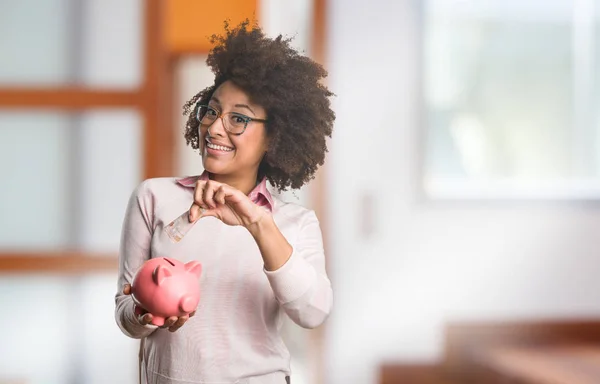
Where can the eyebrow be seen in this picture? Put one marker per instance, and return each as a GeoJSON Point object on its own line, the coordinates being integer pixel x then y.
{"type": "Point", "coordinates": [244, 106]}
{"type": "Point", "coordinates": [237, 105]}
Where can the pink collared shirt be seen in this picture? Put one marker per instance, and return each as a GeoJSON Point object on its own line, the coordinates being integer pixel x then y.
{"type": "Point", "coordinates": [234, 336]}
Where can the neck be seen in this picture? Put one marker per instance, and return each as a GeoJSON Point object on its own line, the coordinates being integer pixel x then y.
{"type": "Point", "coordinates": [245, 184]}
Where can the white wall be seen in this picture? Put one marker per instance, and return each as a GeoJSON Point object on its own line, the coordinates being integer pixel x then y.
{"type": "Point", "coordinates": [426, 263]}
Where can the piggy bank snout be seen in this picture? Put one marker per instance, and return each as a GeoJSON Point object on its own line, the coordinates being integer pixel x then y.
{"type": "Point", "coordinates": [188, 304]}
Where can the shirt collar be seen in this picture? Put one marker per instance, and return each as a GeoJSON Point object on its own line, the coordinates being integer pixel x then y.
{"type": "Point", "coordinates": [260, 195]}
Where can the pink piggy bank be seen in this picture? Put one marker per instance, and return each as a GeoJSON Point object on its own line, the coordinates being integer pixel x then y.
{"type": "Point", "coordinates": [166, 287]}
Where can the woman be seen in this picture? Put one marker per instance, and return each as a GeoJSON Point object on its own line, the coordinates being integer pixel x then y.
{"type": "Point", "coordinates": [266, 118]}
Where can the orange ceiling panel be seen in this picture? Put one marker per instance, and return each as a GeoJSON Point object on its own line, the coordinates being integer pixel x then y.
{"type": "Point", "coordinates": [190, 23]}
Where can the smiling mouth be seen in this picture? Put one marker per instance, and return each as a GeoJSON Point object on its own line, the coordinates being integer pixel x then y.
{"type": "Point", "coordinates": [217, 147]}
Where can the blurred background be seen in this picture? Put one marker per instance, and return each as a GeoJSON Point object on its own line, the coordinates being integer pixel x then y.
{"type": "Point", "coordinates": [459, 196]}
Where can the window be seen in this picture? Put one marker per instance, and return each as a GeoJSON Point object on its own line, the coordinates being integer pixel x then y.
{"type": "Point", "coordinates": [76, 114]}
{"type": "Point", "coordinates": [510, 90]}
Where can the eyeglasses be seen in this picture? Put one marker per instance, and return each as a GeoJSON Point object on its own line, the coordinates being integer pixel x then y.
{"type": "Point", "coordinates": [233, 122]}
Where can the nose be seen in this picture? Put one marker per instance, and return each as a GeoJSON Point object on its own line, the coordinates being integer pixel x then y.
{"type": "Point", "coordinates": [217, 128]}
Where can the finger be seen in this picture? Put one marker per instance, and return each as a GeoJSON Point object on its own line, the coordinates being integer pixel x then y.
{"type": "Point", "coordinates": [209, 192]}
{"type": "Point", "coordinates": [231, 194]}
{"type": "Point", "coordinates": [127, 289]}
{"type": "Point", "coordinates": [179, 323]}
{"type": "Point", "coordinates": [220, 195]}
{"type": "Point", "coordinates": [169, 322]}
{"type": "Point", "coordinates": [199, 193]}
{"type": "Point", "coordinates": [146, 319]}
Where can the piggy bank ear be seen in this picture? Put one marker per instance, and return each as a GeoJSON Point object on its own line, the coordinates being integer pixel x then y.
{"type": "Point", "coordinates": [194, 267]}
{"type": "Point", "coordinates": [160, 274]}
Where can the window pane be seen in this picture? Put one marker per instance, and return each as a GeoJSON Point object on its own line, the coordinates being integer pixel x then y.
{"type": "Point", "coordinates": [67, 178]}
{"type": "Point", "coordinates": [57, 330]}
{"type": "Point", "coordinates": [111, 167]}
{"type": "Point", "coordinates": [58, 42]}
{"type": "Point", "coordinates": [34, 42]}
{"type": "Point", "coordinates": [34, 330]}
{"type": "Point", "coordinates": [509, 94]}
{"type": "Point", "coordinates": [111, 52]}
{"type": "Point", "coordinates": [34, 198]}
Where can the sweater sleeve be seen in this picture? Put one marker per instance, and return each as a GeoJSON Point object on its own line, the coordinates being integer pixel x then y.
{"type": "Point", "coordinates": [134, 250]}
{"type": "Point", "coordinates": [301, 285]}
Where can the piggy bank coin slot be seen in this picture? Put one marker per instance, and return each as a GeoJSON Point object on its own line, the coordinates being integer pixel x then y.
{"type": "Point", "coordinates": [169, 261]}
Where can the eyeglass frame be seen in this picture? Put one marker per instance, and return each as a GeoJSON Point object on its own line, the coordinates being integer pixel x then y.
{"type": "Point", "coordinates": [247, 119]}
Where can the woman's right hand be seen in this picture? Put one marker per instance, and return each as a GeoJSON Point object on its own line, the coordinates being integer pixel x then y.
{"type": "Point", "coordinates": [145, 318]}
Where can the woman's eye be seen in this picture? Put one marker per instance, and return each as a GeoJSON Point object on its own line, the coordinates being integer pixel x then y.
{"type": "Point", "coordinates": [239, 119]}
{"type": "Point", "coordinates": [211, 112]}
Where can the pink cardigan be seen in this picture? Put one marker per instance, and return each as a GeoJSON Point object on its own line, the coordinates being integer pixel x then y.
{"type": "Point", "coordinates": [234, 336]}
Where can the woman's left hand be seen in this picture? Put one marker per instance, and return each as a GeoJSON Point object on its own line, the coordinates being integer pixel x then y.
{"type": "Point", "coordinates": [224, 202]}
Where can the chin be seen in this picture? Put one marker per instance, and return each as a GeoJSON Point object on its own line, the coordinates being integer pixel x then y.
{"type": "Point", "coordinates": [210, 166]}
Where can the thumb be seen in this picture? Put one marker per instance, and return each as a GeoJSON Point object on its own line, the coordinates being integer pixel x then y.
{"type": "Point", "coordinates": [195, 212]}
{"type": "Point", "coordinates": [208, 212]}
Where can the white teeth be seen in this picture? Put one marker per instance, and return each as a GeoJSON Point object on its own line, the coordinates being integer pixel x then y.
{"type": "Point", "coordinates": [218, 147]}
